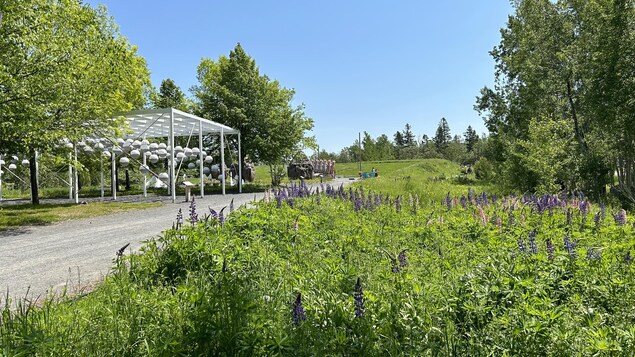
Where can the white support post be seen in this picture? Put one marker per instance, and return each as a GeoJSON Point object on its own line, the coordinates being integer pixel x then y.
{"type": "Point", "coordinates": [101, 173]}
{"type": "Point", "coordinates": [172, 178]}
{"type": "Point", "coordinates": [200, 157]}
{"type": "Point", "coordinates": [75, 175]}
{"type": "Point", "coordinates": [222, 158]}
{"type": "Point", "coordinates": [114, 174]}
{"type": "Point", "coordinates": [70, 175]}
{"type": "Point", "coordinates": [145, 176]}
{"type": "Point", "coordinates": [240, 168]}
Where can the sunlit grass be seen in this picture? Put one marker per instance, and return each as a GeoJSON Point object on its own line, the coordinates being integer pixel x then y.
{"type": "Point", "coordinates": [28, 214]}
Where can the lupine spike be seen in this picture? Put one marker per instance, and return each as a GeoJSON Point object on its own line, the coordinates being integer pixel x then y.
{"type": "Point", "coordinates": [403, 261]}
{"type": "Point", "coordinates": [179, 219]}
{"type": "Point", "coordinates": [550, 249]}
{"type": "Point", "coordinates": [298, 310]}
{"type": "Point", "coordinates": [359, 299]}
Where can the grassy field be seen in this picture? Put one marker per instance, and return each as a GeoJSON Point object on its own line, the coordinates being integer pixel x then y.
{"type": "Point", "coordinates": [430, 265]}
{"type": "Point", "coordinates": [12, 216]}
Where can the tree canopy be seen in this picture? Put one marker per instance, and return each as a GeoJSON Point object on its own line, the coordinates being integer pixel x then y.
{"type": "Point", "coordinates": [232, 91]}
{"type": "Point", "coordinates": [65, 70]}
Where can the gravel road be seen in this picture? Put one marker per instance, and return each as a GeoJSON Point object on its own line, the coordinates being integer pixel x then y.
{"type": "Point", "coordinates": [76, 254]}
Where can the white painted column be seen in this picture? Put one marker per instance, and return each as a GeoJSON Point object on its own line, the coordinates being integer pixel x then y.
{"type": "Point", "coordinates": [222, 158]}
{"type": "Point", "coordinates": [200, 157]}
{"type": "Point", "coordinates": [114, 174]}
{"type": "Point", "coordinates": [75, 175]}
{"type": "Point", "coordinates": [145, 176]}
{"type": "Point", "coordinates": [70, 175]}
{"type": "Point", "coordinates": [101, 173]}
{"type": "Point", "coordinates": [171, 155]}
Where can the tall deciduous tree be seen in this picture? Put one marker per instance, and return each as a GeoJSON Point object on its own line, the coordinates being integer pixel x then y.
{"type": "Point", "coordinates": [65, 70]}
{"type": "Point", "coordinates": [570, 60]}
{"type": "Point", "coordinates": [232, 91]}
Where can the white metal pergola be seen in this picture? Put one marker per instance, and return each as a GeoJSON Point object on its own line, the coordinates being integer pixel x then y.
{"type": "Point", "coordinates": [171, 123]}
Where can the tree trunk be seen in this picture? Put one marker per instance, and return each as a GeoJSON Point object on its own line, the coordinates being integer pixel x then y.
{"type": "Point", "coordinates": [127, 180]}
{"type": "Point", "coordinates": [33, 173]}
{"type": "Point", "coordinates": [579, 135]}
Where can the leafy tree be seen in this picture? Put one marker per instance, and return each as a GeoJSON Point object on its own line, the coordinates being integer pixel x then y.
{"type": "Point", "coordinates": [470, 138]}
{"type": "Point", "coordinates": [442, 137]}
{"type": "Point", "coordinates": [368, 148]}
{"type": "Point", "coordinates": [170, 95]}
{"type": "Point", "coordinates": [571, 60]}
{"type": "Point", "coordinates": [399, 139]}
{"type": "Point", "coordinates": [65, 70]}
{"type": "Point", "coordinates": [384, 148]}
{"type": "Point", "coordinates": [232, 91]}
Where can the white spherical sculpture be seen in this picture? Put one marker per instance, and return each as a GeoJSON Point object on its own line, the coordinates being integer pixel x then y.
{"type": "Point", "coordinates": [12, 167]}
{"type": "Point", "coordinates": [164, 177]}
{"type": "Point", "coordinates": [124, 161]}
{"type": "Point", "coordinates": [135, 154]}
{"type": "Point", "coordinates": [153, 158]}
{"type": "Point", "coordinates": [191, 165]}
{"type": "Point", "coordinates": [180, 155]}
{"type": "Point", "coordinates": [25, 163]}
{"type": "Point", "coordinates": [144, 169]}
{"type": "Point", "coordinates": [117, 150]}
{"type": "Point", "coordinates": [206, 170]}
{"type": "Point", "coordinates": [162, 153]}
{"type": "Point", "coordinates": [187, 152]}
{"type": "Point", "coordinates": [208, 159]}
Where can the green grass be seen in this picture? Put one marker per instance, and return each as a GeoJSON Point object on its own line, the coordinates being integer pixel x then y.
{"type": "Point", "coordinates": [437, 278]}
{"type": "Point", "coordinates": [12, 216]}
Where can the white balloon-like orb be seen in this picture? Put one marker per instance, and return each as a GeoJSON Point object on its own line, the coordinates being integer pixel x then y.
{"type": "Point", "coordinates": [187, 152]}
{"type": "Point", "coordinates": [191, 165]}
{"type": "Point", "coordinates": [12, 167]}
{"type": "Point", "coordinates": [25, 163]}
{"type": "Point", "coordinates": [124, 161]}
{"type": "Point", "coordinates": [144, 169]}
{"type": "Point", "coordinates": [135, 154]}
{"type": "Point", "coordinates": [154, 158]}
{"type": "Point", "coordinates": [162, 153]}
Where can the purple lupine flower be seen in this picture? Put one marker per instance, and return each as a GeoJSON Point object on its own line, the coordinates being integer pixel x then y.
{"type": "Point", "coordinates": [298, 310]}
{"type": "Point", "coordinates": [569, 246]}
{"type": "Point", "coordinates": [569, 216]}
{"type": "Point", "coordinates": [179, 219]}
{"type": "Point", "coordinates": [398, 204]}
{"type": "Point", "coordinates": [521, 245]}
{"type": "Point", "coordinates": [213, 213]}
{"type": "Point", "coordinates": [593, 254]}
{"type": "Point", "coordinates": [596, 219]}
{"type": "Point", "coordinates": [628, 258]}
{"type": "Point", "coordinates": [193, 214]}
{"type": "Point", "coordinates": [395, 265]}
{"type": "Point", "coordinates": [470, 195]}
{"type": "Point", "coordinates": [620, 217]}
{"type": "Point", "coordinates": [550, 249]}
{"type": "Point", "coordinates": [533, 247]}
{"type": "Point", "coordinates": [279, 200]}
{"type": "Point", "coordinates": [603, 210]}
{"type": "Point", "coordinates": [584, 206]}
{"type": "Point", "coordinates": [231, 206]}
{"type": "Point", "coordinates": [358, 295]}
{"type": "Point", "coordinates": [318, 200]}
{"type": "Point", "coordinates": [221, 217]}
{"type": "Point", "coordinates": [448, 201]}
{"type": "Point", "coordinates": [510, 220]}
{"type": "Point", "coordinates": [403, 261]}
{"type": "Point", "coordinates": [463, 202]}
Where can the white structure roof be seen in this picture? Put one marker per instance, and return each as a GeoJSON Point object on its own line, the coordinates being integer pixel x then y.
{"type": "Point", "coordinates": [155, 123]}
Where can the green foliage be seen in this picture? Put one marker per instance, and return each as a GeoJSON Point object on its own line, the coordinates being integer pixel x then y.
{"type": "Point", "coordinates": [233, 92]}
{"type": "Point", "coordinates": [170, 95]}
{"type": "Point", "coordinates": [438, 277]}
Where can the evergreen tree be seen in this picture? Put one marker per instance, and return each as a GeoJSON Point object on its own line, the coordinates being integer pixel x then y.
{"type": "Point", "coordinates": [170, 95]}
{"type": "Point", "coordinates": [442, 137]}
{"type": "Point", "coordinates": [408, 136]}
{"type": "Point", "coordinates": [470, 138]}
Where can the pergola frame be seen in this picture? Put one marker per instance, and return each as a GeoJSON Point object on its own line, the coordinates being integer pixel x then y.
{"type": "Point", "coordinates": [170, 123]}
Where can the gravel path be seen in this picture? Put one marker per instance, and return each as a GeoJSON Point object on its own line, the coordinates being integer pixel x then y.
{"type": "Point", "coordinates": [76, 254]}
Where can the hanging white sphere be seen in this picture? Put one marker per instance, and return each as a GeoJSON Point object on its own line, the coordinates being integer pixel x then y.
{"type": "Point", "coordinates": [99, 146]}
{"type": "Point", "coordinates": [124, 161]}
{"type": "Point", "coordinates": [25, 163]}
{"type": "Point", "coordinates": [136, 144]}
{"type": "Point", "coordinates": [196, 151]}
{"type": "Point", "coordinates": [187, 152]}
{"type": "Point", "coordinates": [180, 155]}
{"type": "Point", "coordinates": [144, 169]}
{"type": "Point", "coordinates": [154, 146]}
{"type": "Point", "coordinates": [198, 162]}
{"type": "Point", "coordinates": [206, 170]}
{"type": "Point", "coordinates": [204, 153]}
{"type": "Point", "coordinates": [162, 153]}
{"type": "Point", "coordinates": [120, 141]}
{"type": "Point", "coordinates": [144, 147]}
{"type": "Point", "coordinates": [168, 148]}
{"type": "Point", "coordinates": [191, 165]}
{"type": "Point", "coordinates": [2, 162]}
{"type": "Point", "coordinates": [154, 158]}
{"type": "Point", "coordinates": [145, 142]}
{"type": "Point", "coordinates": [135, 154]}
{"type": "Point", "coordinates": [178, 149]}
{"type": "Point", "coordinates": [162, 146]}
{"type": "Point", "coordinates": [147, 153]}
{"type": "Point", "coordinates": [208, 159]}
{"type": "Point", "coordinates": [117, 150]}
{"type": "Point", "coordinates": [164, 177]}
{"type": "Point", "coordinates": [69, 145]}
{"type": "Point", "coordinates": [12, 167]}
{"type": "Point", "coordinates": [106, 154]}
{"type": "Point", "coordinates": [81, 144]}
{"type": "Point", "coordinates": [88, 149]}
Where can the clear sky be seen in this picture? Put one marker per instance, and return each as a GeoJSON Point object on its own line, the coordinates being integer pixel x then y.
{"type": "Point", "coordinates": [357, 65]}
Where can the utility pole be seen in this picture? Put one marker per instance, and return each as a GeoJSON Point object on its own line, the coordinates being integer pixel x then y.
{"type": "Point", "coordinates": [359, 142]}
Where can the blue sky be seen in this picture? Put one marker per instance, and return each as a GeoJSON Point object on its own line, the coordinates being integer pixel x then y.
{"type": "Point", "coordinates": [357, 65]}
